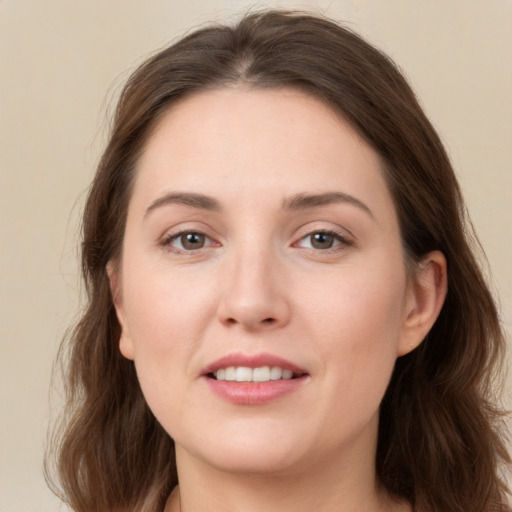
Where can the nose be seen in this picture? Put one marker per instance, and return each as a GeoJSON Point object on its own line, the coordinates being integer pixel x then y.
{"type": "Point", "coordinates": [254, 292]}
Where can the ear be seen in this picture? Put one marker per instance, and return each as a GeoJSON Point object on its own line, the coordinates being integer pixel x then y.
{"type": "Point", "coordinates": [425, 298]}
{"type": "Point", "coordinates": [125, 341]}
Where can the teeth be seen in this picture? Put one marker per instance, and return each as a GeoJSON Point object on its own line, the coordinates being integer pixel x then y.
{"type": "Point", "coordinates": [260, 374]}
{"type": "Point", "coordinates": [230, 373]}
{"type": "Point", "coordinates": [243, 374]}
{"type": "Point", "coordinates": [287, 374]}
{"type": "Point", "coordinates": [276, 373]}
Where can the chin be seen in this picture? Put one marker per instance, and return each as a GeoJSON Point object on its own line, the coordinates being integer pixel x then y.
{"type": "Point", "coordinates": [256, 462]}
{"type": "Point", "coordinates": [250, 454]}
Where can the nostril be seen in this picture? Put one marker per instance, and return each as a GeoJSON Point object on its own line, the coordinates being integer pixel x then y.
{"type": "Point", "coordinates": [269, 320]}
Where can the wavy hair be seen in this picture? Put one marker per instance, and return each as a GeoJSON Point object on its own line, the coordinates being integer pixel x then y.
{"type": "Point", "coordinates": [441, 436]}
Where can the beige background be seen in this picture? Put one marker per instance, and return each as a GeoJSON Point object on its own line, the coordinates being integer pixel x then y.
{"type": "Point", "coordinates": [58, 59]}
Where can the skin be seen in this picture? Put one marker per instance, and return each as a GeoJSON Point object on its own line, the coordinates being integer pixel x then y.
{"type": "Point", "coordinates": [259, 284]}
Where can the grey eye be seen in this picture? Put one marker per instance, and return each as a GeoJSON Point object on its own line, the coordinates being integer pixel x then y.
{"type": "Point", "coordinates": [191, 241]}
{"type": "Point", "coordinates": [322, 240]}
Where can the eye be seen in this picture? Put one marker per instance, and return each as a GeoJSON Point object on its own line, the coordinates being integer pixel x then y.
{"type": "Point", "coordinates": [188, 241]}
{"type": "Point", "coordinates": [323, 240]}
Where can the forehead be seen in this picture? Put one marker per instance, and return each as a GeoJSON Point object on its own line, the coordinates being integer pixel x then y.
{"type": "Point", "coordinates": [244, 143]}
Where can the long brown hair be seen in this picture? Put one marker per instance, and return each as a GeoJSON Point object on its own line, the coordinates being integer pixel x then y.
{"type": "Point", "coordinates": [439, 435]}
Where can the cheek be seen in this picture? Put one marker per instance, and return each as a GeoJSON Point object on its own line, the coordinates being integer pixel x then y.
{"type": "Point", "coordinates": [362, 305]}
{"type": "Point", "coordinates": [166, 316]}
{"type": "Point", "coordinates": [162, 308]}
{"type": "Point", "coordinates": [165, 321]}
{"type": "Point", "coordinates": [356, 322]}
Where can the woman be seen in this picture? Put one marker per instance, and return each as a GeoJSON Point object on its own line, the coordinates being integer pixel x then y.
{"type": "Point", "coordinates": [284, 310]}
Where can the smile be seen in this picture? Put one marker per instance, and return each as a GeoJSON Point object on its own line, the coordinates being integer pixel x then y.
{"type": "Point", "coordinates": [256, 379]}
{"type": "Point", "coordinates": [246, 374]}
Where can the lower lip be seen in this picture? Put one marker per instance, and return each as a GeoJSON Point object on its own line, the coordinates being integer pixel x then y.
{"type": "Point", "coordinates": [254, 393]}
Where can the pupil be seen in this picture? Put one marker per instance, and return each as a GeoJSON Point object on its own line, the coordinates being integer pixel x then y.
{"type": "Point", "coordinates": [192, 241]}
{"type": "Point", "coordinates": [322, 240]}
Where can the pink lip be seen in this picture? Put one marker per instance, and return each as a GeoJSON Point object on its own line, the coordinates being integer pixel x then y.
{"type": "Point", "coordinates": [252, 361]}
{"type": "Point", "coordinates": [253, 393]}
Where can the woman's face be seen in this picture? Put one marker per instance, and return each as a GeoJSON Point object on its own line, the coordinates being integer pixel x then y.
{"type": "Point", "coordinates": [261, 234]}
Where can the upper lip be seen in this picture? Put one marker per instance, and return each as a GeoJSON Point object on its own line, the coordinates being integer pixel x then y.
{"type": "Point", "coordinates": [252, 361]}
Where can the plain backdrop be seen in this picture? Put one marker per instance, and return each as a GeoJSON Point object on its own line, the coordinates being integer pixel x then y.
{"type": "Point", "coordinates": [62, 64]}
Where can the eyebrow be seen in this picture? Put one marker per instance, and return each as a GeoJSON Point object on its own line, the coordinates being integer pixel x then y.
{"type": "Point", "coordinates": [186, 199]}
{"type": "Point", "coordinates": [306, 201]}
{"type": "Point", "coordinates": [294, 203]}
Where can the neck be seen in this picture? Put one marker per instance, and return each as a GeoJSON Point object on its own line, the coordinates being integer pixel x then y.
{"type": "Point", "coordinates": [331, 484]}
{"type": "Point", "coordinates": [275, 494]}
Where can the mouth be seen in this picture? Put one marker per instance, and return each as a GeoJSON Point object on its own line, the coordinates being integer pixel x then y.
{"type": "Point", "coordinates": [258, 374]}
{"type": "Point", "coordinates": [253, 379]}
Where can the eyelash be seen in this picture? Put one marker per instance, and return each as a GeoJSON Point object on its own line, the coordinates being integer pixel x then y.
{"type": "Point", "coordinates": [168, 240]}
{"type": "Point", "coordinates": [342, 241]}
